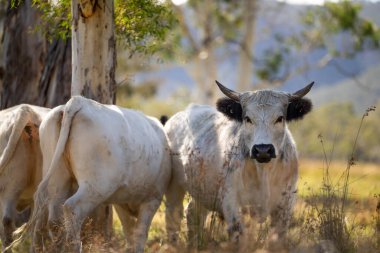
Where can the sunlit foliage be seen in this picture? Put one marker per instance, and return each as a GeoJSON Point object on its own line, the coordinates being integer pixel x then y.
{"type": "Point", "coordinates": [139, 24]}
{"type": "Point", "coordinates": [335, 18]}
{"type": "Point", "coordinates": [142, 24]}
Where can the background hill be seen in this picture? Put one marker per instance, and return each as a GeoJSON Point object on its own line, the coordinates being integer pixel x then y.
{"type": "Point", "coordinates": [362, 92]}
{"type": "Point", "coordinates": [343, 89]}
{"type": "Point", "coordinates": [332, 81]}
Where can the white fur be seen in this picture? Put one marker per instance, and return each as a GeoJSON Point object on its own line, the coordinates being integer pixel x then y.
{"type": "Point", "coordinates": [114, 155]}
{"type": "Point", "coordinates": [210, 158]}
{"type": "Point", "coordinates": [20, 164]}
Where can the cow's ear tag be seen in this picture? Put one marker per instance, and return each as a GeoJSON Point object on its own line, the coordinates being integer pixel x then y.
{"type": "Point", "coordinates": [297, 108]}
{"type": "Point", "coordinates": [230, 108]}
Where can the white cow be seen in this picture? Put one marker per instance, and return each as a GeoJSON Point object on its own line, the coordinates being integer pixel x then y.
{"type": "Point", "coordinates": [240, 155]}
{"type": "Point", "coordinates": [20, 164]}
{"type": "Point", "coordinates": [114, 155]}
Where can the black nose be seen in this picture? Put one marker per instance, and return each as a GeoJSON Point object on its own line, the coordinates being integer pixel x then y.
{"type": "Point", "coordinates": [263, 152]}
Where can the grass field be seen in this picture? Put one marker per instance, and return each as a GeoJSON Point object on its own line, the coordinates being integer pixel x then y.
{"type": "Point", "coordinates": [361, 217]}
{"type": "Point", "coordinates": [364, 177]}
{"type": "Point", "coordinates": [319, 224]}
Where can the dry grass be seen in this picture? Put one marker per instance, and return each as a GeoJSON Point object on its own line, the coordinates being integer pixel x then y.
{"type": "Point", "coordinates": [308, 230]}
{"type": "Point", "coordinates": [313, 229]}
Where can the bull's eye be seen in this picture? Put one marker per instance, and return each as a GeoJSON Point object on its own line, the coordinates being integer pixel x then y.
{"type": "Point", "coordinates": [248, 120]}
{"type": "Point", "coordinates": [279, 120]}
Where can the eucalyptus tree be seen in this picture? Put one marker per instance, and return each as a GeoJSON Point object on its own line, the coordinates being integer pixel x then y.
{"type": "Point", "coordinates": [53, 47]}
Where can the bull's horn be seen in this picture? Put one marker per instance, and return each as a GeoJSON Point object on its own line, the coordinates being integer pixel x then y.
{"type": "Point", "coordinates": [302, 92]}
{"type": "Point", "coordinates": [229, 93]}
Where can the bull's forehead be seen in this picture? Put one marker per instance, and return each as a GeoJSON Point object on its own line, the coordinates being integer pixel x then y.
{"type": "Point", "coordinates": [265, 97]}
{"type": "Point", "coordinates": [264, 104]}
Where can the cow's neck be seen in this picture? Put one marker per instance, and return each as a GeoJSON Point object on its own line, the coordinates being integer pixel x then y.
{"type": "Point", "coordinates": [256, 186]}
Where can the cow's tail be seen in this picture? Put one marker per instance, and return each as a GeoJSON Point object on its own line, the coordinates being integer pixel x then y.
{"type": "Point", "coordinates": [41, 197]}
{"type": "Point", "coordinates": [23, 116]}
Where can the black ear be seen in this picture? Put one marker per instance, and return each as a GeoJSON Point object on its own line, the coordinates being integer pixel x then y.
{"type": "Point", "coordinates": [230, 108]}
{"type": "Point", "coordinates": [297, 108]}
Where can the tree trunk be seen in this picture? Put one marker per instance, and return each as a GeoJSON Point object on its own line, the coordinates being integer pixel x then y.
{"type": "Point", "coordinates": [33, 71]}
{"type": "Point", "coordinates": [94, 54]}
{"type": "Point", "coordinates": [55, 82]}
{"type": "Point", "coordinates": [210, 73]}
{"type": "Point", "coordinates": [23, 57]}
{"type": "Point", "coordinates": [93, 69]}
{"type": "Point", "coordinates": [205, 64]}
{"type": "Point", "coordinates": [245, 61]}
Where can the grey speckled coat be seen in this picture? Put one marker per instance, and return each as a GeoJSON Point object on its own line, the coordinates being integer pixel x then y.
{"type": "Point", "coordinates": [213, 158]}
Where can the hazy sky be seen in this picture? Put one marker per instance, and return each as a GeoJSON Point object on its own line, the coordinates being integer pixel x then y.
{"type": "Point", "coordinates": [315, 2]}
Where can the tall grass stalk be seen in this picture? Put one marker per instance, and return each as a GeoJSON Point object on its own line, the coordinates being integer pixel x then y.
{"type": "Point", "coordinates": [351, 160]}
{"type": "Point", "coordinates": [332, 215]}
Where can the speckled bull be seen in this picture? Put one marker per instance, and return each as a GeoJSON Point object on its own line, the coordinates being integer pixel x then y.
{"type": "Point", "coordinates": [239, 155]}
{"type": "Point", "coordinates": [111, 155]}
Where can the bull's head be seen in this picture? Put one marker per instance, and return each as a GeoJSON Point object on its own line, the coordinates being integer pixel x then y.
{"type": "Point", "coordinates": [263, 115]}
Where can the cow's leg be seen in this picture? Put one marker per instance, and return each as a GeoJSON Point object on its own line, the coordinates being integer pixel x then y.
{"type": "Point", "coordinates": [174, 212]}
{"type": "Point", "coordinates": [127, 221]}
{"type": "Point", "coordinates": [2, 235]}
{"type": "Point", "coordinates": [144, 219]}
{"type": "Point", "coordinates": [232, 217]}
{"type": "Point", "coordinates": [76, 209]}
{"type": "Point", "coordinates": [280, 219]}
{"type": "Point", "coordinates": [40, 232]}
{"type": "Point", "coordinates": [195, 217]}
{"type": "Point", "coordinates": [23, 216]}
{"type": "Point", "coordinates": [59, 192]}
{"type": "Point", "coordinates": [8, 222]}
{"type": "Point", "coordinates": [281, 215]}
{"type": "Point", "coordinates": [48, 232]}
{"type": "Point", "coordinates": [55, 225]}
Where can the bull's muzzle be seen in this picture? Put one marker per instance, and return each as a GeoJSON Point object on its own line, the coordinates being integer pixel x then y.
{"type": "Point", "coordinates": [263, 153]}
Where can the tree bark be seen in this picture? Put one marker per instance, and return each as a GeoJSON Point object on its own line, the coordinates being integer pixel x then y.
{"type": "Point", "coordinates": [205, 65]}
{"type": "Point", "coordinates": [33, 70]}
{"type": "Point", "coordinates": [24, 55]}
{"type": "Point", "coordinates": [55, 82]}
{"type": "Point", "coordinates": [210, 64]}
{"type": "Point", "coordinates": [94, 54]}
{"type": "Point", "coordinates": [245, 61]}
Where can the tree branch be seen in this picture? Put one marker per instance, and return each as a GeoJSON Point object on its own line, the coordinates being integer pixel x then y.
{"type": "Point", "coordinates": [186, 29]}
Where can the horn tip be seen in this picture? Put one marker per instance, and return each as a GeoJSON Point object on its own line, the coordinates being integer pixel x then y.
{"type": "Point", "coordinates": [226, 91]}
{"type": "Point", "coordinates": [310, 85]}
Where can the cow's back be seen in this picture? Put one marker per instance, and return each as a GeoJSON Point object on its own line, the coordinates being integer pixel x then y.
{"type": "Point", "coordinates": [120, 150]}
